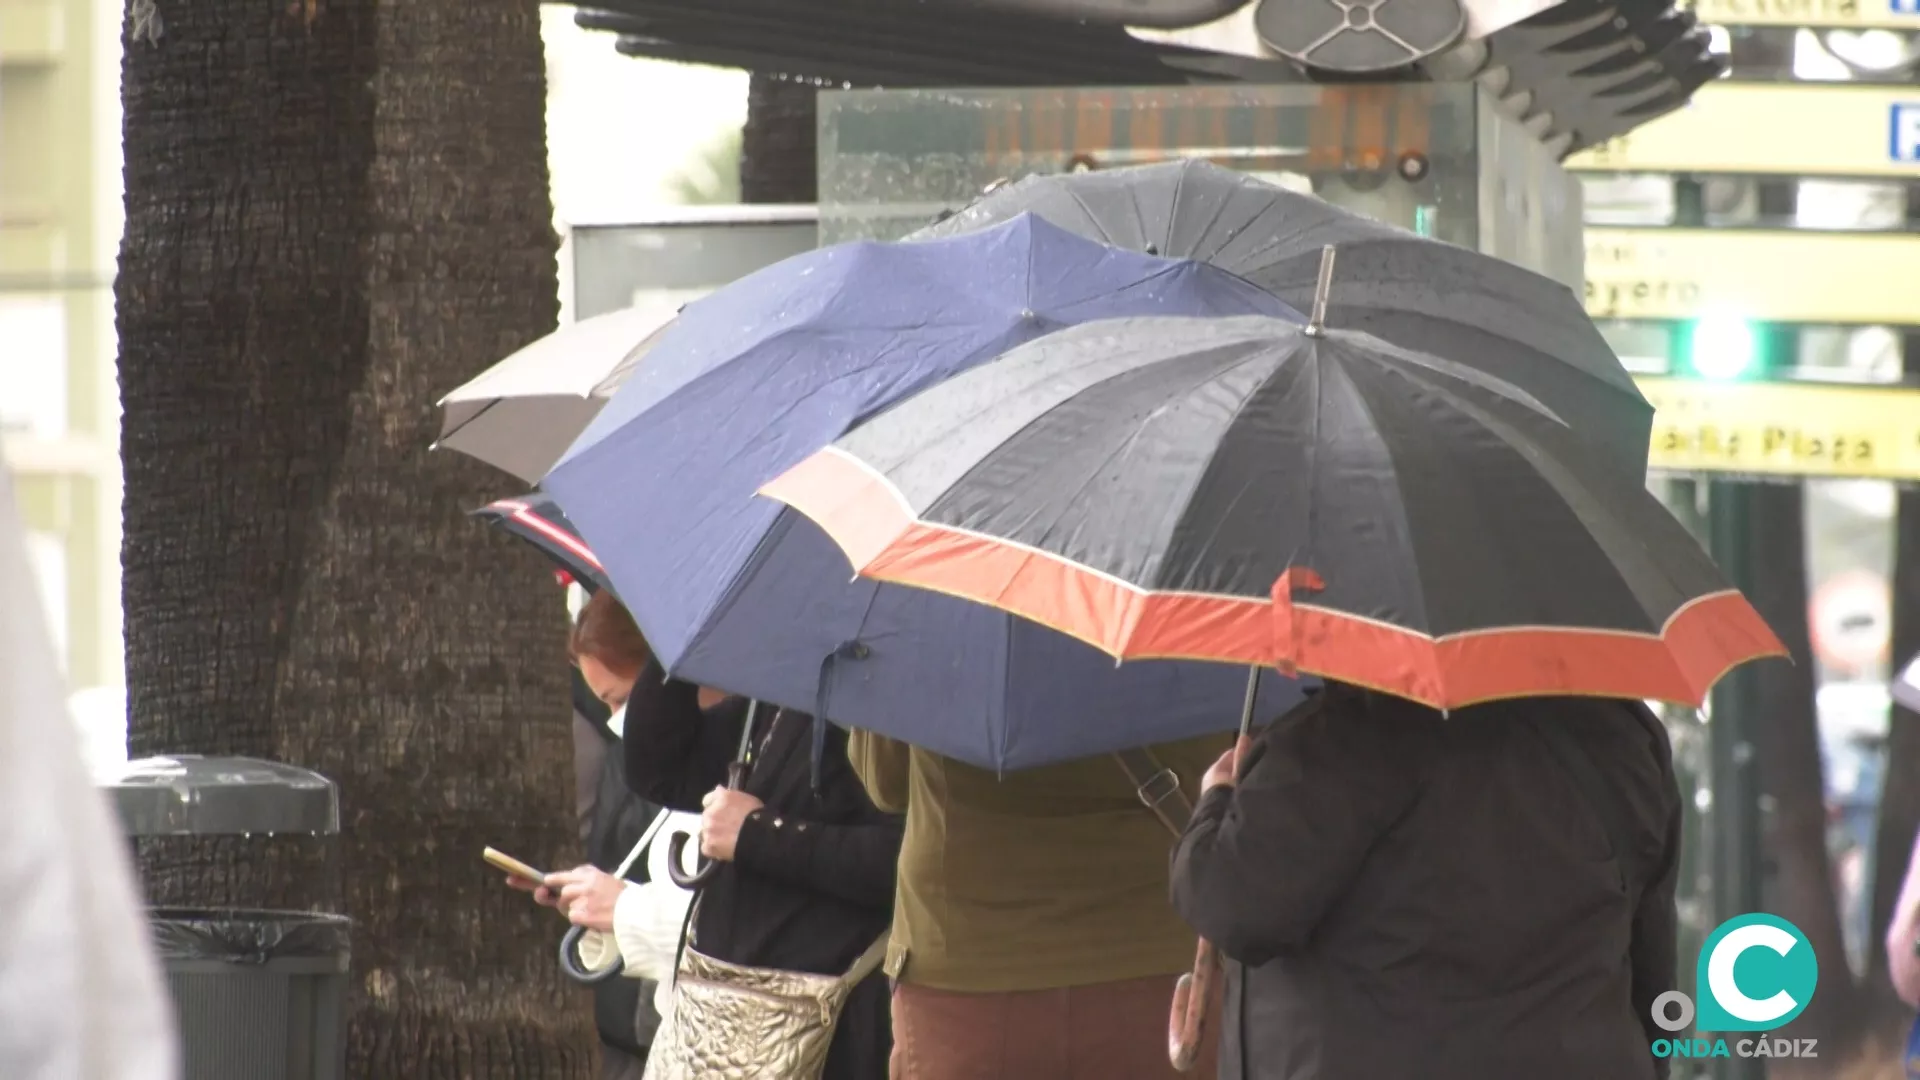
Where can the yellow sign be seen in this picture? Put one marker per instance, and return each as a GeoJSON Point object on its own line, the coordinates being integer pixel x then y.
{"type": "Point", "coordinates": [1796, 429]}
{"type": "Point", "coordinates": [1838, 14]}
{"type": "Point", "coordinates": [1773, 275]}
{"type": "Point", "coordinates": [1800, 129]}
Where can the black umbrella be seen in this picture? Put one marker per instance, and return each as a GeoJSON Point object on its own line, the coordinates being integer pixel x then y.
{"type": "Point", "coordinates": [1250, 490]}
{"type": "Point", "coordinates": [533, 517]}
{"type": "Point", "coordinates": [1416, 292]}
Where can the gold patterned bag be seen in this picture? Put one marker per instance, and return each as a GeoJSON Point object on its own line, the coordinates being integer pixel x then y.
{"type": "Point", "coordinates": [732, 1022]}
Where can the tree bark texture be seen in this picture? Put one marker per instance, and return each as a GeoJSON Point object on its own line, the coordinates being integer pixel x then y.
{"type": "Point", "coordinates": [779, 155]}
{"type": "Point", "coordinates": [335, 213]}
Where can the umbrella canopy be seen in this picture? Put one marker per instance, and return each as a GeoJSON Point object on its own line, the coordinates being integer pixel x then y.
{"type": "Point", "coordinates": [534, 518]}
{"type": "Point", "coordinates": [961, 679]}
{"type": "Point", "coordinates": [754, 377]}
{"type": "Point", "coordinates": [1250, 490]}
{"type": "Point", "coordinates": [520, 414]}
{"type": "Point", "coordinates": [1423, 294]}
{"type": "Point", "coordinates": [733, 592]}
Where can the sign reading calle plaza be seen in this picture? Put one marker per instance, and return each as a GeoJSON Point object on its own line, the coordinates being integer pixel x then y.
{"type": "Point", "coordinates": [1763, 275]}
{"type": "Point", "coordinates": [1792, 429]}
{"type": "Point", "coordinates": [1800, 129]}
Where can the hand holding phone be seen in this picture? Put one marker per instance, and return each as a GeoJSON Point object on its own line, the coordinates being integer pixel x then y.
{"type": "Point", "coordinates": [514, 868]}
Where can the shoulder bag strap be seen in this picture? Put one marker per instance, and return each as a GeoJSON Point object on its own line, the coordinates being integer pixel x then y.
{"type": "Point", "coordinates": [1594, 790]}
{"type": "Point", "coordinates": [1158, 788]}
{"type": "Point", "coordinates": [686, 932]}
{"type": "Point", "coordinates": [640, 846]}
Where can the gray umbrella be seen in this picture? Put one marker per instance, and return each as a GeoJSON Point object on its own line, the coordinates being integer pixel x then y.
{"type": "Point", "coordinates": [522, 413]}
{"type": "Point", "coordinates": [1415, 292]}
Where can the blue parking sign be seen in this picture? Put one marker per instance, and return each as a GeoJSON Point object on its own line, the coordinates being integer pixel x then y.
{"type": "Point", "coordinates": [1905, 7]}
{"type": "Point", "coordinates": [1904, 127]}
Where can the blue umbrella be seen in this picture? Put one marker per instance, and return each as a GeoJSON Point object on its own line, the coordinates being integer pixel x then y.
{"type": "Point", "coordinates": [736, 591]}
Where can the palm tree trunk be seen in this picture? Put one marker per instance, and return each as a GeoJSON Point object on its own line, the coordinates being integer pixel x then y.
{"type": "Point", "coordinates": [779, 161]}
{"type": "Point", "coordinates": [335, 212]}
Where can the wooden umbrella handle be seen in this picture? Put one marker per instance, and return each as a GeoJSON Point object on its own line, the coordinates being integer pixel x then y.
{"type": "Point", "coordinates": [1193, 995]}
{"type": "Point", "coordinates": [1187, 1022]}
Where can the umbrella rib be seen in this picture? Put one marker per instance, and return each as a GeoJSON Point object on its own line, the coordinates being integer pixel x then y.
{"type": "Point", "coordinates": [1559, 478]}
{"type": "Point", "coordinates": [1208, 375]}
{"type": "Point", "coordinates": [1275, 238]}
{"type": "Point", "coordinates": [1206, 467]}
{"type": "Point", "coordinates": [1218, 212]}
{"type": "Point", "coordinates": [1105, 236]}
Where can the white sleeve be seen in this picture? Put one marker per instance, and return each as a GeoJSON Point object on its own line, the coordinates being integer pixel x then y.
{"type": "Point", "coordinates": [80, 992]}
{"type": "Point", "coordinates": [597, 950]}
{"type": "Point", "coordinates": [646, 922]}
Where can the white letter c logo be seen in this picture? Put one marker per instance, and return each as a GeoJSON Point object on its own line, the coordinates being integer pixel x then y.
{"type": "Point", "coordinates": [1720, 973]}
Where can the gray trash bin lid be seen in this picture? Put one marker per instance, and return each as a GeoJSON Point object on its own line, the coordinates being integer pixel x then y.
{"type": "Point", "coordinates": [248, 936]}
{"type": "Point", "coordinates": [192, 795]}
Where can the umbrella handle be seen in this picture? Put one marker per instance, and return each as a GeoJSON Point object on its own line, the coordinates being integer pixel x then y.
{"type": "Point", "coordinates": [1192, 995]}
{"type": "Point", "coordinates": [676, 847]}
{"type": "Point", "coordinates": [570, 961]}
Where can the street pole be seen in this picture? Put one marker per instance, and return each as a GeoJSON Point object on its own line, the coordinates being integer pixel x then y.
{"type": "Point", "coordinates": [1733, 824]}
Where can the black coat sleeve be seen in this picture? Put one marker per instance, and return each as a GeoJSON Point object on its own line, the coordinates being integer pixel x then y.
{"type": "Point", "coordinates": [1654, 950]}
{"type": "Point", "coordinates": [854, 860]}
{"type": "Point", "coordinates": [853, 855]}
{"type": "Point", "coordinates": [675, 753]}
{"type": "Point", "coordinates": [1260, 864]}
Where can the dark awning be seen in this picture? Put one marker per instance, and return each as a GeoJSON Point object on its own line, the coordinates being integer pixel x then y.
{"type": "Point", "coordinates": [1576, 74]}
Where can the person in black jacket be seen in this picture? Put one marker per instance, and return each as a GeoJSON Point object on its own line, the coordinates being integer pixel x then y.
{"type": "Point", "coordinates": [807, 880]}
{"type": "Point", "coordinates": [1404, 894]}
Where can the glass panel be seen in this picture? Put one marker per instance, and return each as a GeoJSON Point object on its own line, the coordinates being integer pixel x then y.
{"type": "Point", "coordinates": [893, 161]}
{"type": "Point", "coordinates": [1530, 207]}
{"type": "Point", "coordinates": [672, 262]}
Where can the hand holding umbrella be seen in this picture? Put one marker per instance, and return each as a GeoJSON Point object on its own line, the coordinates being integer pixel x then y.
{"type": "Point", "coordinates": [1187, 1021]}
{"type": "Point", "coordinates": [736, 776]}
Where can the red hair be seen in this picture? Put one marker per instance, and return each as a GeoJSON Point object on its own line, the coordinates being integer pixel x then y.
{"type": "Point", "coordinates": [607, 633]}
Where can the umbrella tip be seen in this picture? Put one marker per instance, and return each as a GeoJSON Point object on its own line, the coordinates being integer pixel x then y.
{"type": "Point", "coordinates": [1317, 320]}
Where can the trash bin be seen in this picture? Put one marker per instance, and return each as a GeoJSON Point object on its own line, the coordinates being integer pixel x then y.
{"type": "Point", "coordinates": [258, 995]}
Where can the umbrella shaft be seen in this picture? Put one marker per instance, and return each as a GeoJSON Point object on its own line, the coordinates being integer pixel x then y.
{"type": "Point", "coordinates": [1252, 698]}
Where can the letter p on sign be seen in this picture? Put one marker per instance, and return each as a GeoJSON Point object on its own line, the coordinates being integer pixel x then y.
{"type": "Point", "coordinates": [1904, 144]}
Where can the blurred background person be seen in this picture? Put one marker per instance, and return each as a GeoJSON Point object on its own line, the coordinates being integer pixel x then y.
{"type": "Point", "coordinates": [80, 993]}
{"type": "Point", "coordinates": [1903, 936]}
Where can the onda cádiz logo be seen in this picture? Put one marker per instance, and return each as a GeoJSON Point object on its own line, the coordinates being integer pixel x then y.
{"type": "Point", "coordinates": [1756, 972]}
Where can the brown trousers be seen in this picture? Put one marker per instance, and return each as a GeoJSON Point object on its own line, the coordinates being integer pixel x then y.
{"type": "Point", "coordinates": [1107, 1031]}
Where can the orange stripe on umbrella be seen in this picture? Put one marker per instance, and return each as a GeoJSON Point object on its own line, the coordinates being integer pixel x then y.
{"type": "Point", "coordinates": [872, 523]}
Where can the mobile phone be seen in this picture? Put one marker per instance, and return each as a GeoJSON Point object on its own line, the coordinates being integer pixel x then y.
{"type": "Point", "coordinates": [500, 860]}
